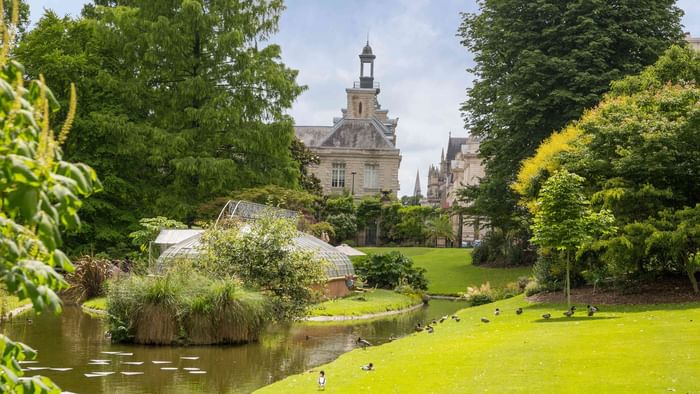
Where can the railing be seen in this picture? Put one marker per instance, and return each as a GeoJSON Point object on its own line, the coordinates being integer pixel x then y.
{"type": "Point", "coordinates": [357, 84]}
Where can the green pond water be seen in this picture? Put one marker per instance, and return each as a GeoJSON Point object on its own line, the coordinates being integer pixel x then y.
{"type": "Point", "coordinates": [73, 339]}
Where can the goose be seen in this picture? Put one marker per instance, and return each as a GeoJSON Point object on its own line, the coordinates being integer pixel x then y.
{"type": "Point", "coordinates": [485, 320]}
{"type": "Point", "coordinates": [547, 315]}
{"type": "Point", "coordinates": [519, 311]}
{"type": "Point", "coordinates": [497, 312]}
{"type": "Point", "coordinates": [363, 342]}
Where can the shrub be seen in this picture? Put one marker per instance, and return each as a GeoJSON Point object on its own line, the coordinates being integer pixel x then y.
{"type": "Point", "coordinates": [479, 295]}
{"type": "Point", "coordinates": [89, 278]}
{"type": "Point", "coordinates": [391, 270]}
{"type": "Point", "coordinates": [264, 257]}
{"type": "Point", "coordinates": [184, 307]}
{"type": "Point", "coordinates": [532, 288]}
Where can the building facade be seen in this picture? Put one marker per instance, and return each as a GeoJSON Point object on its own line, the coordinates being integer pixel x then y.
{"type": "Point", "coordinates": [358, 153]}
{"type": "Point", "coordinates": [460, 167]}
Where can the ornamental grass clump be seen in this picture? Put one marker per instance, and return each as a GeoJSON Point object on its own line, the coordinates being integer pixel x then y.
{"type": "Point", "coordinates": [184, 307]}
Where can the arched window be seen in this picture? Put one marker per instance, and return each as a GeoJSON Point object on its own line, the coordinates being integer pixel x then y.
{"type": "Point", "coordinates": [359, 110]}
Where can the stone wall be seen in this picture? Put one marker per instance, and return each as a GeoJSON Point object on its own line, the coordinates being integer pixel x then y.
{"type": "Point", "coordinates": [388, 162]}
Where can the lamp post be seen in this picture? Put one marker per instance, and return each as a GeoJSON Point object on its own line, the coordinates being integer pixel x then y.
{"type": "Point", "coordinates": [353, 182]}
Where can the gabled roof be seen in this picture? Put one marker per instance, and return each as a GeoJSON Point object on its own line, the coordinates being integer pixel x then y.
{"type": "Point", "coordinates": [312, 135]}
{"type": "Point", "coordinates": [454, 145]}
{"type": "Point", "coordinates": [358, 134]}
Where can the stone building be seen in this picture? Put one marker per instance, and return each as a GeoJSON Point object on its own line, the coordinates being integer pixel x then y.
{"type": "Point", "coordinates": [358, 153]}
{"type": "Point", "coordinates": [694, 42]}
{"type": "Point", "coordinates": [460, 167]}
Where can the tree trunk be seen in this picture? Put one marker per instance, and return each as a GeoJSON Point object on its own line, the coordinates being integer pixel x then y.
{"type": "Point", "coordinates": [568, 280]}
{"type": "Point", "coordinates": [691, 275]}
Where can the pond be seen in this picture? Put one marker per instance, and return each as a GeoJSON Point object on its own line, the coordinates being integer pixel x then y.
{"type": "Point", "coordinates": [75, 339]}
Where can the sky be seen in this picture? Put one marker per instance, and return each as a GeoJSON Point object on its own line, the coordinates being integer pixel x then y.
{"type": "Point", "coordinates": [420, 64]}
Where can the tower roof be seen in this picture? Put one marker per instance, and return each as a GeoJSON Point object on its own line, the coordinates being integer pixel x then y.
{"type": "Point", "coordinates": [416, 188]}
{"type": "Point", "coordinates": [367, 50]}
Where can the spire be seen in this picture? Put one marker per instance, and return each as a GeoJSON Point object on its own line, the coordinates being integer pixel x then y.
{"type": "Point", "coordinates": [416, 188]}
{"type": "Point", "coordinates": [442, 155]}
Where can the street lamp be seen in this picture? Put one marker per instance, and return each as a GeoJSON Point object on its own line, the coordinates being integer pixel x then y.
{"type": "Point", "coordinates": [353, 182]}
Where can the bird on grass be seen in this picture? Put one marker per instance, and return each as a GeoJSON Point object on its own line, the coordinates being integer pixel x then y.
{"type": "Point", "coordinates": [497, 312]}
{"type": "Point", "coordinates": [418, 327]}
{"type": "Point", "coordinates": [455, 317]}
{"type": "Point", "coordinates": [570, 312]}
{"type": "Point", "coordinates": [485, 320]}
{"type": "Point", "coordinates": [363, 342]}
{"type": "Point", "coordinates": [591, 310]}
{"type": "Point", "coordinates": [430, 329]}
{"type": "Point", "coordinates": [434, 321]}
{"type": "Point", "coordinates": [519, 311]}
{"type": "Point", "coordinates": [368, 367]}
{"type": "Point", "coordinates": [392, 338]}
{"type": "Point", "coordinates": [547, 315]}
{"type": "Point", "coordinates": [442, 319]}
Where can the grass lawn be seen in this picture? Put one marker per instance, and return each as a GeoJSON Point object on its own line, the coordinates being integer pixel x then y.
{"type": "Point", "coordinates": [373, 301]}
{"type": "Point", "coordinates": [99, 303]}
{"type": "Point", "coordinates": [622, 349]}
{"type": "Point", "coordinates": [9, 303]}
{"type": "Point", "coordinates": [450, 270]}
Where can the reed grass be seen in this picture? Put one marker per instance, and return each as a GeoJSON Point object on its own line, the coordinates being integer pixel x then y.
{"type": "Point", "coordinates": [185, 308]}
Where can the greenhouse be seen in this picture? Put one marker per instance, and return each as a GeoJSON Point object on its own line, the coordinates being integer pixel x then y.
{"type": "Point", "coordinates": [338, 269]}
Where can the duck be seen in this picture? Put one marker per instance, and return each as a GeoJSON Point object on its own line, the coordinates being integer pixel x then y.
{"type": "Point", "coordinates": [363, 342]}
{"type": "Point", "coordinates": [392, 338]}
{"type": "Point", "coordinates": [418, 327]}
{"type": "Point", "coordinates": [434, 321]}
{"type": "Point", "coordinates": [442, 319]}
{"type": "Point", "coordinates": [368, 367]}
{"type": "Point", "coordinates": [546, 315]}
{"type": "Point", "coordinates": [457, 319]}
{"type": "Point", "coordinates": [430, 329]}
{"type": "Point", "coordinates": [485, 320]}
{"type": "Point", "coordinates": [591, 310]}
{"type": "Point", "coordinates": [519, 311]}
{"type": "Point", "coordinates": [569, 313]}
{"type": "Point", "coordinates": [497, 312]}
{"type": "Point", "coordinates": [454, 317]}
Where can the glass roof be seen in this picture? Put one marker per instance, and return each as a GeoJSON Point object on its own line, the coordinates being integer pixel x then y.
{"type": "Point", "coordinates": [339, 264]}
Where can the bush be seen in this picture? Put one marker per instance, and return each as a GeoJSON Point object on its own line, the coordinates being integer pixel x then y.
{"type": "Point", "coordinates": [89, 278]}
{"type": "Point", "coordinates": [264, 257]}
{"type": "Point", "coordinates": [532, 288]}
{"type": "Point", "coordinates": [496, 248]}
{"type": "Point", "coordinates": [479, 295]}
{"type": "Point", "coordinates": [391, 270]}
{"type": "Point", "coordinates": [184, 307]}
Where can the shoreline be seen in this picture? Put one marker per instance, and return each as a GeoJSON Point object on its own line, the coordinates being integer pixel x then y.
{"type": "Point", "coordinates": [361, 317]}
{"type": "Point", "coordinates": [17, 311]}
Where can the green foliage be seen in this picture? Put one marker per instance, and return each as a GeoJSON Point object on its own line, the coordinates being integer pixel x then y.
{"type": "Point", "coordinates": [305, 158]}
{"type": "Point", "coordinates": [369, 210]}
{"type": "Point", "coordinates": [89, 278]}
{"type": "Point", "coordinates": [344, 225]}
{"type": "Point", "coordinates": [183, 306]}
{"type": "Point", "coordinates": [539, 64]}
{"type": "Point", "coordinates": [480, 295]}
{"type": "Point", "coordinates": [564, 221]}
{"type": "Point", "coordinates": [390, 270]}
{"type": "Point", "coordinates": [439, 227]}
{"type": "Point", "coordinates": [278, 196]}
{"type": "Point", "coordinates": [412, 227]}
{"type": "Point", "coordinates": [150, 228]}
{"type": "Point", "coordinates": [262, 255]}
{"type": "Point", "coordinates": [506, 249]}
{"type": "Point", "coordinates": [39, 197]}
{"type": "Point", "coordinates": [180, 102]}
{"type": "Point", "coordinates": [318, 229]}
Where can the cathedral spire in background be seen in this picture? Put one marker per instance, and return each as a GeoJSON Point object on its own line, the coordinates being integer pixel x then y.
{"type": "Point", "coordinates": [416, 188]}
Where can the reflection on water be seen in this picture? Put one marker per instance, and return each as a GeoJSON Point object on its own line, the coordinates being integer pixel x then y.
{"type": "Point", "coordinates": [72, 339]}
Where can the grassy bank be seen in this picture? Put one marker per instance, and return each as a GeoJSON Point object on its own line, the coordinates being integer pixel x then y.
{"type": "Point", "coordinates": [450, 270]}
{"type": "Point", "coordinates": [8, 303]}
{"type": "Point", "coordinates": [622, 349]}
{"type": "Point", "coordinates": [99, 303]}
{"type": "Point", "coordinates": [374, 301]}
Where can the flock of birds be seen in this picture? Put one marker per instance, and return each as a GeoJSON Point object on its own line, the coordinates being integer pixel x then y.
{"type": "Point", "coordinates": [430, 327]}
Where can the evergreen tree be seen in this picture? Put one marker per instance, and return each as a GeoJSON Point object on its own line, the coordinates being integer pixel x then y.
{"type": "Point", "coordinates": [179, 104]}
{"type": "Point", "coordinates": [539, 64]}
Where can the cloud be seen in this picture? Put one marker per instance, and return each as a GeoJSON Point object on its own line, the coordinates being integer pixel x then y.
{"type": "Point", "coordinates": [420, 64]}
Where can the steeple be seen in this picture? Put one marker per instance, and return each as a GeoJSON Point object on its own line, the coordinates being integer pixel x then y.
{"type": "Point", "coordinates": [416, 188]}
{"type": "Point", "coordinates": [367, 67]}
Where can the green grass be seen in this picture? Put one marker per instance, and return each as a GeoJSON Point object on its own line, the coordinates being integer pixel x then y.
{"type": "Point", "coordinates": [99, 303]}
{"type": "Point", "coordinates": [8, 303]}
{"type": "Point", "coordinates": [450, 270]}
{"type": "Point", "coordinates": [373, 301]}
{"type": "Point", "coordinates": [623, 349]}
